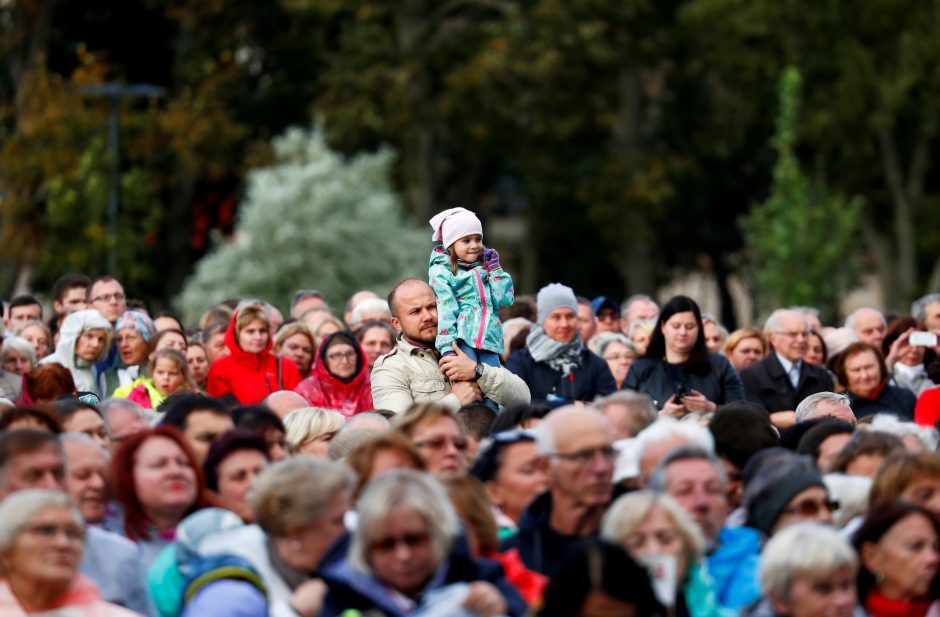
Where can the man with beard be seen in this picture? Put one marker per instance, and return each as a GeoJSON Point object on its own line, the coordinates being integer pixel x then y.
{"type": "Point", "coordinates": [413, 371]}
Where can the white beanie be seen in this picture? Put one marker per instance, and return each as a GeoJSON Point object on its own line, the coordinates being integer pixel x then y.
{"type": "Point", "coordinates": [555, 296]}
{"type": "Point", "coordinates": [452, 225]}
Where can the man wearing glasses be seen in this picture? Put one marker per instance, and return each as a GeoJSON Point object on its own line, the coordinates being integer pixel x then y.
{"type": "Point", "coordinates": [577, 446]}
{"type": "Point", "coordinates": [781, 380]}
{"type": "Point", "coordinates": [106, 295]}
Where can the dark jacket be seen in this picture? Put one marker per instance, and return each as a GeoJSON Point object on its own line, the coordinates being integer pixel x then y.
{"type": "Point", "coordinates": [352, 589]}
{"type": "Point", "coordinates": [720, 385]}
{"type": "Point", "coordinates": [767, 384]}
{"type": "Point", "coordinates": [546, 385]}
{"type": "Point", "coordinates": [894, 400]}
{"type": "Point", "coordinates": [542, 548]}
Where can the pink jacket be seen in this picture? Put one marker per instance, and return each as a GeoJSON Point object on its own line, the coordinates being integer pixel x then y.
{"type": "Point", "coordinates": [82, 598]}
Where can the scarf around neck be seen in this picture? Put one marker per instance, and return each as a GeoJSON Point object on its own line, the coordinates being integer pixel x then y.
{"type": "Point", "coordinates": [564, 357]}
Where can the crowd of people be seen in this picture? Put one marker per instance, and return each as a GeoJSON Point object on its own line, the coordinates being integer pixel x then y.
{"type": "Point", "coordinates": [455, 449]}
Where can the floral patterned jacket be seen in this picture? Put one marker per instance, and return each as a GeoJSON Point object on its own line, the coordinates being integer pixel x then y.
{"type": "Point", "coordinates": [467, 303]}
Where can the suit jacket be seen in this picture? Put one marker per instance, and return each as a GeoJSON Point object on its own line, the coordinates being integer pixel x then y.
{"type": "Point", "coordinates": [767, 383]}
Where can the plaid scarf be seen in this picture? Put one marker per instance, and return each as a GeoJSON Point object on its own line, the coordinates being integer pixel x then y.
{"type": "Point", "coordinates": [564, 357]}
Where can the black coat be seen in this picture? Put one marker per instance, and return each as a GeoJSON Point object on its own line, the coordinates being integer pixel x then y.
{"type": "Point", "coordinates": [541, 547]}
{"type": "Point", "coordinates": [546, 385]}
{"type": "Point", "coordinates": [767, 384]}
{"type": "Point", "coordinates": [720, 385]}
{"type": "Point", "coordinates": [894, 400]}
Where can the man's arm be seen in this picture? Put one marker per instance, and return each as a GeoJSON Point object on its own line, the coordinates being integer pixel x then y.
{"type": "Point", "coordinates": [497, 383]}
{"type": "Point", "coordinates": [390, 389]}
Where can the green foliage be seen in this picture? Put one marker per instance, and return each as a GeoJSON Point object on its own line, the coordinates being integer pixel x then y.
{"type": "Point", "coordinates": [311, 219]}
{"type": "Point", "coordinates": [802, 240]}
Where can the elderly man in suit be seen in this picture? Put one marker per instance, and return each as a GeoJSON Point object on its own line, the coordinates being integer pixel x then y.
{"type": "Point", "coordinates": [781, 380]}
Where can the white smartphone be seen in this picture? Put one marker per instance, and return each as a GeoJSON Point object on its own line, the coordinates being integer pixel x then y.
{"type": "Point", "coordinates": [923, 339]}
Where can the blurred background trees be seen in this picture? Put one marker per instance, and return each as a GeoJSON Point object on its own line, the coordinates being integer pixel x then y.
{"type": "Point", "coordinates": [612, 145]}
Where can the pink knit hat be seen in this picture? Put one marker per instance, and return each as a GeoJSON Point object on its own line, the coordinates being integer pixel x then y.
{"type": "Point", "coordinates": [452, 225]}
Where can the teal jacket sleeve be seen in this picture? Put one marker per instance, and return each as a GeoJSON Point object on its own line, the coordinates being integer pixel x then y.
{"type": "Point", "coordinates": [442, 282]}
{"type": "Point", "coordinates": [501, 288]}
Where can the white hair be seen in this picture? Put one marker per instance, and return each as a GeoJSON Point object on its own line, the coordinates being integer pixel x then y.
{"type": "Point", "coordinates": [371, 307]}
{"type": "Point", "coordinates": [800, 550]}
{"type": "Point", "coordinates": [20, 346]}
{"type": "Point", "coordinates": [773, 322]}
{"type": "Point", "coordinates": [308, 423]}
{"type": "Point", "coordinates": [148, 415]}
{"type": "Point", "coordinates": [852, 494]}
{"type": "Point", "coordinates": [919, 306]}
{"type": "Point", "coordinates": [19, 507]}
{"type": "Point", "coordinates": [806, 410]}
{"type": "Point", "coordinates": [667, 429]}
{"type": "Point", "coordinates": [599, 342]}
{"type": "Point", "coordinates": [888, 423]}
{"type": "Point", "coordinates": [853, 316]}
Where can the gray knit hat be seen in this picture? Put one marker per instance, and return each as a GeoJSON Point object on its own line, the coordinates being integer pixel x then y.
{"type": "Point", "coordinates": [555, 296]}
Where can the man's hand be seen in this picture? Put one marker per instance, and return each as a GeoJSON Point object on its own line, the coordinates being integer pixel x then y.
{"type": "Point", "coordinates": [466, 392]}
{"type": "Point", "coordinates": [458, 366]}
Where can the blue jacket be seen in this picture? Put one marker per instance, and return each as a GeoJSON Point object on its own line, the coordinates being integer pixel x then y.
{"type": "Point", "coordinates": [546, 385]}
{"type": "Point", "coordinates": [720, 385]}
{"type": "Point", "coordinates": [734, 567]}
{"type": "Point", "coordinates": [467, 302]}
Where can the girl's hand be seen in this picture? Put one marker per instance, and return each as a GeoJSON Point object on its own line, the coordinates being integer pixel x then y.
{"type": "Point", "coordinates": [673, 409]}
{"type": "Point", "coordinates": [490, 260]}
{"type": "Point", "coordinates": [698, 403]}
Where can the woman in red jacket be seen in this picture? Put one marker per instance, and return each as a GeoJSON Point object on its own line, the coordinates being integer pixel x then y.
{"type": "Point", "coordinates": [250, 372]}
{"type": "Point", "coordinates": [339, 380]}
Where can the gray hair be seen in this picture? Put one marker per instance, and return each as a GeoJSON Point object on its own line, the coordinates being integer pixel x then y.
{"type": "Point", "coordinates": [371, 305]}
{"type": "Point", "coordinates": [891, 424]}
{"type": "Point", "coordinates": [631, 300]}
{"type": "Point", "coordinates": [806, 410]}
{"type": "Point", "coordinates": [919, 306]}
{"type": "Point", "coordinates": [806, 549]}
{"type": "Point", "coordinates": [773, 322]}
{"type": "Point", "coordinates": [649, 324]}
{"type": "Point", "coordinates": [20, 346]}
{"type": "Point", "coordinates": [84, 439]}
{"type": "Point", "coordinates": [853, 316]}
{"type": "Point", "coordinates": [545, 436]}
{"type": "Point", "coordinates": [18, 508]}
{"type": "Point", "coordinates": [148, 415]}
{"type": "Point", "coordinates": [303, 294]}
{"type": "Point", "coordinates": [640, 403]}
{"type": "Point", "coordinates": [365, 417]}
{"type": "Point", "coordinates": [659, 479]}
{"type": "Point", "coordinates": [666, 428]}
{"type": "Point", "coordinates": [852, 494]}
{"type": "Point", "coordinates": [294, 493]}
{"type": "Point", "coordinates": [599, 342]}
{"type": "Point", "coordinates": [403, 490]}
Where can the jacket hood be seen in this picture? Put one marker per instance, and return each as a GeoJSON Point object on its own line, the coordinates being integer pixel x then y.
{"type": "Point", "coordinates": [320, 370]}
{"type": "Point", "coordinates": [241, 356]}
{"type": "Point", "coordinates": [73, 327]}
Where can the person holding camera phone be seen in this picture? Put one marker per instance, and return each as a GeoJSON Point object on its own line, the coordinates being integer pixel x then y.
{"type": "Point", "coordinates": [678, 371]}
{"type": "Point", "coordinates": [905, 347]}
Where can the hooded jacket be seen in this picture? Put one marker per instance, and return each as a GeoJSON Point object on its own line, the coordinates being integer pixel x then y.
{"type": "Point", "coordinates": [249, 377]}
{"type": "Point", "coordinates": [467, 303]}
{"type": "Point", "coordinates": [734, 567]}
{"type": "Point", "coordinates": [323, 389]}
{"type": "Point", "coordinates": [83, 372]}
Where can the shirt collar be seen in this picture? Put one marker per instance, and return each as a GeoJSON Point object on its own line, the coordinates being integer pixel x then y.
{"type": "Point", "coordinates": [786, 364]}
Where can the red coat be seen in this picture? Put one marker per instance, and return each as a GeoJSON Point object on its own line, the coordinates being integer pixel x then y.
{"type": "Point", "coordinates": [927, 410]}
{"type": "Point", "coordinates": [322, 389]}
{"type": "Point", "coordinates": [249, 377]}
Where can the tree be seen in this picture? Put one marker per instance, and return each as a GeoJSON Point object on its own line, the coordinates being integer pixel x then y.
{"type": "Point", "coordinates": [312, 218]}
{"type": "Point", "coordinates": [801, 241]}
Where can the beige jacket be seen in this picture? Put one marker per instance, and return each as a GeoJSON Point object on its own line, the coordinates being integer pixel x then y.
{"type": "Point", "coordinates": [409, 374]}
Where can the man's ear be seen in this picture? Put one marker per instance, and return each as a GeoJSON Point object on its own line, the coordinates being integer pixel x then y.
{"type": "Point", "coordinates": [395, 323]}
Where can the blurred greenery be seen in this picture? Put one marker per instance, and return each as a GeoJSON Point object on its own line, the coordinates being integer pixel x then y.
{"type": "Point", "coordinates": [630, 136]}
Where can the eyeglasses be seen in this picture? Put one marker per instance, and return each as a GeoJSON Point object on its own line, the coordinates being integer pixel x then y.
{"type": "Point", "coordinates": [116, 297]}
{"type": "Point", "coordinates": [48, 531]}
{"type": "Point", "coordinates": [439, 442]}
{"type": "Point", "coordinates": [810, 507]}
{"type": "Point", "coordinates": [799, 334]}
{"type": "Point", "coordinates": [410, 540]}
{"type": "Point", "coordinates": [585, 457]}
{"type": "Point", "coordinates": [341, 355]}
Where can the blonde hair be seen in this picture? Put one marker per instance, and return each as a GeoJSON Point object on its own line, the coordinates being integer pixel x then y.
{"type": "Point", "coordinates": [19, 507]}
{"type": "Point", "coordinates": [308, 423]}
{"type": "Point", "coordinates": [740, 334]}
{"type": "Point", "coordinates": [805, 549]}
{"type": "Point", "coordinates": [630, 510]}
{"type": "Point", "coordinates": [250, 313]}
{"type": "Point", "coordinates": [419, 413]}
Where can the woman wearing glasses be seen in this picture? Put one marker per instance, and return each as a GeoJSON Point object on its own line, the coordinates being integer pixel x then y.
{"type": "Point", "coordinates": [785, 490]}
{"type": "Point", "coordinates": [438, 436]}
{"type": "Point", "coordinates": [339, 379]}
{"type": "Point", "coordinates": [405, 556]}
{"type": "Point", "coordinates": [41, 543]}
